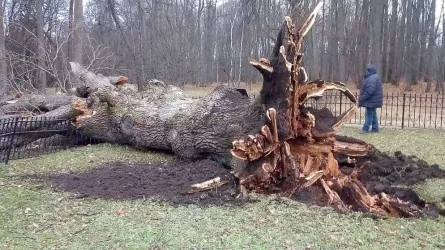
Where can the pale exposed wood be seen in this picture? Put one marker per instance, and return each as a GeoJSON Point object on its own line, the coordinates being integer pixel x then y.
{"type": "Point", "coordinates": [207, 185]}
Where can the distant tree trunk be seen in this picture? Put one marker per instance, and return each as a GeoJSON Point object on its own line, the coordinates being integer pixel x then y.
{"type": "Point", "coordinates": [402, 46]}
{"type": "Point", "coordinates": [376, 37]}
{"type": "Point", "coordinates": [364, 39]}
{"type": "Point", "coordinates": [315, 72]}
{"type": "Point", "coordinates": [384, 42]}
{"type": "Point", "coordinates": [232, 52]}
{"type": "Point", "coordinates": [440, 84]}
{"type": "Point", "coordinates": [3, 73]}
{"type": "Point", "coordinates": [356, 53]}
{"type": "Point", "coordinates": [71, 30]}
{"type": "Point", "coordinates": [410, 37]}
{"type": "Point", "coordinates": [78, 31]}
{"type": "Point", "coordinates": [209, 40]}
{"type": "Point", "coordinates": [68, 84]}
{"type": "Point", "coordinates": [142, 41]}
{"type": "Point", "coordinates": [333, 41]}
{"type": "Point", "coordinates": [392, 66]}
{"type": "Point", "coordinates": [422, 33]}
{"type": "Point", "coordinates": [41, 83]}
{"type": "Point", "coordinates": [341, 32]}
{"type": "Point", "coordinates": [323, 47]}
{"type": "Point", "coordinates": [431, 44]}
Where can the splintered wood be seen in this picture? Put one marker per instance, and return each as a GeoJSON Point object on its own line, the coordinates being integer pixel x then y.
{"type": "Point", "coordinates": [295, 148]}
{"type": "Point", "coordinates": [207, 185]}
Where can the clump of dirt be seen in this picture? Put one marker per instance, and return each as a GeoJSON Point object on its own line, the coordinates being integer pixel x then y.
{"type": "Point", "coordinates": [168, 182]}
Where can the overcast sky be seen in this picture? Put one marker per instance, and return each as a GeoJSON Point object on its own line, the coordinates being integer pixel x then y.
{"type": "Point", "coordinates": [439, 4]}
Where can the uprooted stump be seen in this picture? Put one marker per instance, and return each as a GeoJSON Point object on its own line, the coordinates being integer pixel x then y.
{"type": "Point", "coordinates": [295, 148]}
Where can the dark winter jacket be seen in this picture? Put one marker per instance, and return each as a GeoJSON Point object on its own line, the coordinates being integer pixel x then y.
{"type": "Point", "coordinates": [371, 93]}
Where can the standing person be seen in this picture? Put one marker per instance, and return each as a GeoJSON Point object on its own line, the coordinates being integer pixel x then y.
{"type": "Point", "coordinates": [371, 97]}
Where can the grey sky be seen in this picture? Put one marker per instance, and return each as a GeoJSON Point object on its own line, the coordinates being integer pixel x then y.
{"type": "Point", "coordinates": [439, 4]}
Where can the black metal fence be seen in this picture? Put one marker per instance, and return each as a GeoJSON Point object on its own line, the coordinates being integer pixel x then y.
{"type": "Point", "coordinates": [23, 137]}
{"type": "Point", "coordinates": [408, 110]}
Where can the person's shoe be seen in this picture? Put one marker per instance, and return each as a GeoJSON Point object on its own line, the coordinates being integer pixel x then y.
{"type": "Point", "coordinates": [363, 132]}
{"type": "Point", "coordinates": [375, 131]}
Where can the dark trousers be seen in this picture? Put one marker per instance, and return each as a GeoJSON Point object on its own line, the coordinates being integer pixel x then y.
{"type": "Point", "coordinates": [371, 121]}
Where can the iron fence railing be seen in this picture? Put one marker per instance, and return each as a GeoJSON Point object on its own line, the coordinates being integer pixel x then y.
{"type": "Point", "coordinates": [407, 110]}
{"type": "Point", "coordinates": [23, 137]}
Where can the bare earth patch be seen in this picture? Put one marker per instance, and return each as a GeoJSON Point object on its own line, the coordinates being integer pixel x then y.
{"type": "Point", "coordinates": [166, 181]}
{"type": "Point", "coordinates": [170, 182]}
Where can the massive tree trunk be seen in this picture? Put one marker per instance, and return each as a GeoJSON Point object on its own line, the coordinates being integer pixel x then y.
{"type": "Point", "coordinates": [275, 144]}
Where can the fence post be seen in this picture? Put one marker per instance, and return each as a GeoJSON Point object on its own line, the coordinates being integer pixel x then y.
{"type": "Point", "coordinates": [341, 102]}
{"type": "Point", "coordinates": [11, 143]}
{"type": "Point", "coordinates": [403, 110]}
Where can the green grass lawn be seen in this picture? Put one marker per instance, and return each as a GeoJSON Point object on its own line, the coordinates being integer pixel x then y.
{"type": "Point", "coordinates": [33, 216]}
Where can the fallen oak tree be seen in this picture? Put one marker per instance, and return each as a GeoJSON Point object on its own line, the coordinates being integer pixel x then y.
{"type": "Point", "coordinates": [288, 147]}
{"type": "Point", "coordinates": [285, 147]}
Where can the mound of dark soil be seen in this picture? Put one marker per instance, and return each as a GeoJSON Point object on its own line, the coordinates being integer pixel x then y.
{"type": "Point", "coordinates": [395, 175]}
{"type": "Point", "coordinates": [398, 169]}
{"type": "Point", "coordinates": [167, 182]}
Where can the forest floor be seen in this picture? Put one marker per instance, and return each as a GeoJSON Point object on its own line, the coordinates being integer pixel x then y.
{"type": "Point", "coordinates": [106, 196]}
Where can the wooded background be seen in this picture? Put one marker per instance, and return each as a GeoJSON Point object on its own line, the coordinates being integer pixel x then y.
{"type": "Point", "coordinates": [207, 41]}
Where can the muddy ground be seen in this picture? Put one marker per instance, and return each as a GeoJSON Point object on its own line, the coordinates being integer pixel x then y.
{"type": "Point", "coordinates": [170, 182]}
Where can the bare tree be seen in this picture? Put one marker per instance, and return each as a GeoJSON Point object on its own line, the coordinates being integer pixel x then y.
{"type": "Point", "coordinates": [377, 8]}
{"type": "Point", "coordinates": [78, 31]}
{"type": "Point", "coordinates": [41, 82]}
{"type": "Point", "coordinates": [3, 73]}
{"type": "Point", "coordinates": [392, 66]}
{"type": "Point", "coordinates": [431, 45]}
